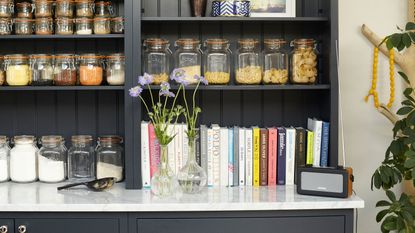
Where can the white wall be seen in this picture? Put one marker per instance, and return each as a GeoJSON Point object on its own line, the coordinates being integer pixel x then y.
{"type": "Point", "coordinates": [367, 133]}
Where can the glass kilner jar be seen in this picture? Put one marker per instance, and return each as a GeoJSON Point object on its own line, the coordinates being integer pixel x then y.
{"type": "Point", "coordinates": [24, 10]}
{"type": "Point", "coordinates": [4, 159]}
{"type": "Point", "coordinates": [85, 8]}
{"type": "Point", "coordinates": [115, 69]}
{"type": "Point", "coordinates": [81, 159]}
{"type": "Point", "coordinates": [6, 8]}
{"type": "Point", "coordinates": [91, 72]}
{"type": "Point", "coordinates": [23, 26]}
{"type": "Point", "coordinates": [43, 8]}
{"type": "Point", "coordinates": [304, 61]}
{"type": "Point", "coordinates": [217, 61]}
{"type": "Point", "coordinates": [23, 164]}
{"type": "Point", "coordinates": [52, 159]}
{"type": "Point", "coordinates": [248, 62]}
{"type": "Point", "coordinates": [188, 57]}
{"type": "Point", "coordinates": [275, 62]}
{"type": "Point", "coordinates": [64, 26]}
{"type": "Point", "coordinates": [110, 162]}
{"type": "Point", "coordinates": [157, 59]}
{"type": "Point", "coordinates": [42, 70]}
{"type": "Point", "coordinates": [17, 69]}
{"type": "Point", "coordinates": [64, 8]}
{"type": "Point", "coordinates": [103, 9]}
{"type": "Point", "coordinates": [64, 70]}
{"type": "Point", "coordinates": [5, 26]}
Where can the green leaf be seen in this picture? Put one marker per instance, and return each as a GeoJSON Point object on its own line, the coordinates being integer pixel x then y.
{"type": "Point", "coordinates": [410, 153]}
{"type": "Point", "coordinates": [401, 46]}
{"type": "Point", "coordinates": [391, 195]}
{"type": "Point", "coordinates": [389, 44]}
{"type": "Point", "coordinates": [407, 216]}
{"type": "Point", "coordinates": [410, 119]}
{"type": "Point", "coordinates": [383, 203]}
{"type": "Point", "coordinates": [396, 39]}
{"type": "Point", "coordinates": [410, 26]}
{"type": "Point", "coordinates": [377, 180]}
{"type": "Point", "coordinates": [404, 76]}
{"type": "Point", "coordinates": [404, 110]}
{"type": "Point", "coordinates": [407, 103]}
{"type": "Point", "coordinates": [409, 163]}
{"type": "Point", "coordinates": [408, 91]}
{"type": "Point", "coordinates": [406, 40]}
{"type": "Point", "coordinates": [390, 226]}
{"type": "Point", "coordinates": [412, 35]}
{"type": "Point", "coordinates": [381, 215]}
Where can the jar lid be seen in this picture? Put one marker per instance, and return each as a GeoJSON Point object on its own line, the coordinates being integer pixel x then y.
{"type": "Point", "coordinates": [84, 1]}
{"type": "Point", "coordinates": [6, 1]}
{"type": "Point", "coordinates": [43, 1]}
{"type": "Point", "coordinates": [5, 20]}
{"type": "Point", "coordinates": [65, 1]}
{"type": "Point", "coordinates": [23, 4]}
{"type": "Point", "coordinates": [274, 41]}
{"type": "Point", "coordinates": [90, 56]}
{"type": "Point", "coordinates": [304, 41]}
{"type": "Point", "coordinates": [115, 56]}
{"type": "Point", "coordinates": [64, 56]}
{"type": "Point", "coordinates": [118, 19]}
{"type": "Point", "coordinates": [24, 139]}
{"type": "Point", "coordinates": [3, 139]}
{"type": "Point", "coordinates": [81, 138]}
{"type": "Point", "coordinates": [41, 56]}
{"type": "Point", "coordinates": [115, 139]}
{"type": "Point", "coordinates": [23, 20]}
{"type": "Point", "coordinates": [16, 57]}
{"type": "Point", "coordinates": [51, 139]}
{"type": "Point", "coordinates": [104, 3]}
{"type": "Point", "coordinates": [83, 20]}
{"type": "Point", "coordinates": [43, 19]}
{"type": "Point", "coordinates": [248, 42]}
{"type": "Point", "coordinates": [102, 18]}
{"type": "Point", "coordinates": [187, 42]}
{"type": "Point", "coordinates": [155, 41]}
{"type": "Point", "coordinates": [63, 19]}
{"type": "Point", "coordinates": [217, 41]}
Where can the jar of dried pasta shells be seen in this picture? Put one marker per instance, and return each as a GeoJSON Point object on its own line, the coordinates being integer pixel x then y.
{"type": "Point", "coordinates": [275, 62]}
{"type": "Point", "coordinates": [304, 59]}
{"type": "Point", "coordinates": [248, 62]}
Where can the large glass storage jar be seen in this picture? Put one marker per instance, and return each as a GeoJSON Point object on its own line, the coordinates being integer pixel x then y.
{"type": "Point", "coordinates": [117, 25]}
{"type": "Point", "coordinates": [42, 70]}
{"type": "Point", "coordinates": [6, 8]}
{"type": "Point", "coordinates": [85, 8]}
{"type": "Point", "coordinates": [5, 26]}
{"type": "Point", "coordinates": [275, 62]}
{"type": "Point", "coordinates": [64, 73]}
{"type": "Point", "coordinates": [157, 59]}
{"type": "Point", "coordinates": [17, 68]}
{"type": "Point", "coordinates": [43, 8]}
{"type": "Point", "coordinates": [4, 159]}
{"type": "Point", "coordinates": [110, 158]}
{"type": "Point", "coordinates": [248, 62]}
{"type": "Point", "coordinates": [64, 8]}
{"type": "Point", "coordinates": [23, 164]}
{"type": "Point", "coordinates": [81, 159]}
{"type": "Point", "coordinates": [2, 72]}
{"type": "Point", "coordinates": [188, 57]}
{"type": "Point", "coordinates": [102, 25]}
{"type": "Point", "coordinates": [23, 26]}
{"type": "Point", "coordinates": [52, 159]}
{"type": "Point", "coordinates": [90, 70]}
{"type": "Point", "coordinates": [83, 26]}
{"type": "Point", "coordinates": [217, 61]}
{"type": "Point", "coordinates": [115, 69]}
{"type": "Point", "coordinates": [24, 10]}
{"type": "Point", "coordinates": [64, 26]}
{"type": "Point", "coordinates": [304, 59]}
{"type": "Point", "coordinates": [44, 26]}
{"type": "Point", "coordinates": [103, 9]}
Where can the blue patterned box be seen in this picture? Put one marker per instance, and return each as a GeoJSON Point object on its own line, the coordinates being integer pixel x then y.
{"type": "Point", "coordinates": [231, 8]}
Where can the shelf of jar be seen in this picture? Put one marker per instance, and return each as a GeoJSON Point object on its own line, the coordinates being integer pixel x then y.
{"type": "Point", "coordinates": [72, 36]}
{"type": "Point", "coordinates": [237, 19]}
{"type": "Point", "coordinates": [253, 87]}
{"type": "Point", "coordinates": [60, 88]}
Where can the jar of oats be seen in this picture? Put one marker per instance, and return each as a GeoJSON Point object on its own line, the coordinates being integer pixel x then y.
{"type": "Point", "coordinates": [217, 61]}
{"type": "Point", "coordinates": [188, 57]}
{"type": "Point", "coordinates": [304, 61]}
{"type": "Point", "coordinates": [275, 62]}
{"type": "Point", "coordinates": [157, 59]}
{"type": "Point", "coordinates": [248, 62]}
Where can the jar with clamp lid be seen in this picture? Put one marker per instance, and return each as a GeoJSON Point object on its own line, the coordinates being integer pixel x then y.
{"type": "Point", "coordinates": [83, 26]}
{"type": "Point", "coordinates": [64, 8]}
{"type": "Point", "coordinates": [64, 26]}
{"type": "Point", "coordinates": [24, 10]}
{"type": "Point", "coordinates": [23, 164]}
{"type": "Point", "coordinates": [81, 159]}
{"type": "Point", "coordinates": [157, 59]}
{"type": "Point", "coordinates": [117, 25]}
{"type": "Point", "coordinates": [110, 162]}
{"type": "Point", "coordinates": [4, 159]}
{"type": "Point", "coordinates": [44, 26]}
{"type": "Point", "coordinates": [17, 69]}
{"type": "Point", "coordinates": [275, 62]}
{"type": "Point", "coordinates": [248, 62]}
{"type": "Point", "coordinates": [42, 70]}
{"type": "Point", "coordinates": [304, 61]}
{"type": "Point", "coordinates": [115, 69]}
{"type": "Point", "coordinates": [52, 159]}
{"type": "Point", "coordinates": [85, 8]}
{"type": "Point", "coordinates": [2, 72]}
{"type": "Point", "coordinates": [6, 26]}
{"type": "Point", "coordinates": [23, 26]}
{"type": "Point", "coordinates": [6, 8]}
{"type": "Point", "coordinates": [64, 73]}
{"type": "Point", "coordinates": [103, 9]}
{"type": "Point", "coordinates": [43, 8]}
{"type": "Point", "coordinates": [90, 70]}
{"type": "Point", "coordinates": [102, 25]}
{"type": "Point", "coordinates": [188, 57]}
{"type": "Point", "coordinates": [217, 61]}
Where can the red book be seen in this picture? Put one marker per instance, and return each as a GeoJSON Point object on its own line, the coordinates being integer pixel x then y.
{"type": "Point", "coordinates": [154, 147]}
{"type": "Point", "coordinates": [263, 164]}
{"type": "Point", "coordinates": [272, 156]}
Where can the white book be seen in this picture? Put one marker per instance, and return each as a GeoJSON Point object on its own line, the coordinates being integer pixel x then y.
{"type": "Point", "coordinates": [145, 156]}
{"type": "Point", "coordinates": [210, 156]}
{"type": "Point", "coordinates": [241, 156]}
{"type": "Point", "coordinates": [185, 147]}
{"type": "Point", "coordinates": [248, 157]}
{"type": "Point", "coordinates": [178, 147]}
{"type": "Point", "coordinates": [316, 126]}
{"type": "Point", "coordinates": [224, 151]}
{"type": "Point", "coordinates": [230, 157]}
{"type": "Point", "coordinates": [216, 154]}
{"type": "Point", "coordinates": [171, 153]}
{"type": "Point", "coordinates": [290, 156]}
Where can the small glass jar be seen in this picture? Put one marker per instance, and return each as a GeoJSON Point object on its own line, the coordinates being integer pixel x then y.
{"type": "Point", "coordinates": [6, 8]}
{"type": "Point", "coordinates": [115, 69]}
{"type": "Point", "coordinates": [5, 26]}
{"type": "Point", "coordinates": [188, 57]}
{"type": "Point", "coordinates": [4, 159]}
{"type": "Point", "coordinates": [44, 26]}
{"type": "Point", "coordinates": [64, 26]}
{"type": "Point", "coordinates": [102, 25]}
{"type": "Point", "coordinates": [90, 70]}
{"type": "Point", "coordinates": [157, 59]}
{"type": "Point", "coordinates": [81, 159]}
{"type": "Point", "coordinates": [110, 162]}
{"type": "Point", "coordinates": [42, 70]}
{"type": "Point", "coordinates": [43, 8]}
{"type": "Point", "coordinates": [2, 72]}
{"type": "Point", "coordinates": [64, 73]}
{"type": "Point", "coordinates": [85, 8]}
{"type": "Point", "coordinates": [24, 10]}
{"type": "Point", "coordinates": [275, 62]}
{"type": "Point", "coordinates": [23, 26]}
{"type": "Point", "coordinates": [23, 164]}
{"type": "Point", "coordinates": [304, 61]}
{"type": "Point", "coordinates": [117, 25]}
{"type": "Point", "coordinates": [217, 61]}
{"type": "Point", "coordinates": [17, 69]}
{"type": "Point", "coordinates": [83, 26]}
{"type": "Point", "coordinates": [248, 62]}
{"type": "Point", "coordinates": [52, 159]}
{"type": "Point", "coordinates": [64, 8]}
{"type": "Point", "coordinates": [103, 9]}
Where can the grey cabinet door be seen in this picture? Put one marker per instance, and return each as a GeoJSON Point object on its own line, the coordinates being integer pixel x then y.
{"type": "Point", "coordinates": [68, 225]}
{"type": "Point", "coordinates": [6, 226]}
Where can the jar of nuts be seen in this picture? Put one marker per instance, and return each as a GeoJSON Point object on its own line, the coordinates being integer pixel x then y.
{"type": "Point", "coordinates": [304, 61]}
{"type": "Point", "coordinates": [248, 62]}
{"type": "Point", "coordinates": [275, 62]}
{"type": "Point", "coordinates": [217, 61]}
{"type": "Point", "coordinates": [156, 59]}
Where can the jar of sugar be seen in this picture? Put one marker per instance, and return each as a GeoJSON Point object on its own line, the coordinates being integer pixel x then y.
{"type": "Point", "coordinates": [52, 159]}
{"type": "Point", "coordinates": [110, 157]}
{"type": "Point", "coordinates": [4, 159]}
{"type": "Point", "coordinates": [23, 168]}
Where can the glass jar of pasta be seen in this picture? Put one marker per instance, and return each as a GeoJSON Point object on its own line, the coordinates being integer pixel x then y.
{"type": "Point", "coordinates": [85, 8]}
{"type": "Point", "coordinates": [90, 69]}
{"type": "Point", "coordinates": [217, 61]}
{"type": "Point", "coordinates": [275, 62]}
{"type": "Point", "coordinates": [5, 26]}
{"type": "Point", "coordinates": [64, 26]}
{"type": "Point", "coordinates": [115, 69]}
{"type": "Point", "coordinates": [64, 8]}
{"type": "Point", "coordinates": [157, 59]}
{"type": "Point", "coordinates": [6, 8]}
{"type": "Point", "coordinates": [17, 68]}
{"type": "Point", "coordinates": [304, 60]}
{"type": "Point", "coordinates": [102, 25]}
{"type": "Point", "coordinates": [24, 10]}
{"type": "Point", "coordinates": [44, 26]}
{"type": "Point", "coordinates": [23, 26]}
{"type": "Point", "coordinates": [64, 72]}
{"type": "Point", "coordinates": [117, 25]}
{"type": "Point", "coordinates": [83, 26]}
{"type": "Point", "coordinates": [42, 70]}
{"type": "Point", "coordinates": [188, 57]}
{"type": "Point", "coordinates": [43, 8]}
{"type": "Point", "coordinates": [248, 62]}
{"type": "Point", "coordinates": [103, 9]}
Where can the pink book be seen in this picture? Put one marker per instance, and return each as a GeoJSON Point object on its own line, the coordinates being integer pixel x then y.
{"type": "Point", "coordinates": [154, 147]}
{"type": "Point", "coordinates": [272, 157]}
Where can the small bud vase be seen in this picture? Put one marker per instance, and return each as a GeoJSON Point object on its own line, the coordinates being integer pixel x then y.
{"type": "Point", "coordinates": [164, 182]}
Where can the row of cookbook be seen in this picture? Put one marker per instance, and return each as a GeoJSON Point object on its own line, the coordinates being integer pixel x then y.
{"type": "Point", "coordinates": [240, 156]}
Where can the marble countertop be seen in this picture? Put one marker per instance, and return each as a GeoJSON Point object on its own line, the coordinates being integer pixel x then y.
{"type": "Point", "coordinates": [40, 197]}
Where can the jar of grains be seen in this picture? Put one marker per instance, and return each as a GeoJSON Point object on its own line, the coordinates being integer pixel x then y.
{"type": "Point", "coordinates": [217, 61]}
{"type": "Point", "coordinates": [52, 159]}
{"type": "Point", "coordinates": [275, 62]}
{"type": "Point", "coordinates": [6, 8]}
{"type": "Point", "coordinates": [110, 161]}
{"type": "Point", "coordinates": [117, 25]}
{"type": "Point", "coordinates": [17, 69]}
{"type": "Point", "coordinates": [248, 62]}
{"type": "Point", "coordinates": [103, 9]}
{"type": "Point", "coordinates": [188, 57]}
{"type": "Point", "coordinates": [304, 58]}
{"type": "Point", "coordinates": [23, 167]}
{"type": "Point", "coordinates": [90, 70]}
{"type": "Point", "coordinates": [83, 26]}
{"type": "Point", "coordinates": [42, 70]}
{"type": "Point", "coordinates": [84, 8]}
{"type": "Point", "coordinates": [102, 25]}
{"type": "Point", "coordinates": [81, 159]}
{"type": "Point", "coordinates": [23, 26]}
{"type": "Point", "coordinates": [4, 159]}
{"type": "Point", "coordinates": [115, 69]}
{"type": "Point", "coordinates": [43, 8]}
{"type": "Point", "coordinates": [2, 72]}
{"type": "Point", "coordinates": [24, 10]}
{"type": "Point", "coordinates": [44, 26]}
{"type": "Point", "coordinates": [64, 26]}
{"type": "Point", "coordinates": [5, 26]}
{"type": "Point", "coordinates": [157, 59]}
{"type": "Point", "coordinates": [64, 8]}
{"type": "Point", "coordinates": [64, 73]}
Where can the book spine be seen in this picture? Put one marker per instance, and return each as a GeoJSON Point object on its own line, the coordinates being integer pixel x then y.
{"type": "Point", "coordinates": [145, 156]}
{"type": "Point", "coordinates": [290, 157]}
{"type": "Point", "coordinates": [263, 164]}
{"type": "Point", "coordinates": [325, 144]}
{"type": "Point", "coordinates": [272, 157]}
{"type": "Point", "coordinates": [178, 147]}
{"type": "Point", "coordinates": [230, 157]}
{"type": "Point", "coordinates": [203, 147]}
{"type": "Point", "coordinates": [210, 157]}
{"type": "Point", "coordinates": [185, 145]}
{"type": "Point", "coordinates": [310, 149]}
{"type": "Point", "coordinates": [281, 156]}
{"type": "Point", "coordinates": [171, 150]}
{"type": "Point", "coordinates": [224, 150]}
{"type": "Point", "coordinates": [257, 142]}
{"type": "Point", "coordinates": [248, 157]}
{"type": "Point", "coordinates": [154, 150]}
{"type": "Point", "coordinates": [216, 155]}
{"type": "Point", "coordinates": [235, 156]}
{"type": "Point", "coordinates": [241, 157]}
{"type": "Point", "coordinates": [300, 150]}
{"type": "Point", "coordinates": [317, 142]}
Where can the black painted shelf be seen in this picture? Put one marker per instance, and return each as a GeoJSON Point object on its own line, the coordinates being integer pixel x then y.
{"type": "Point", "coordinates": [235, 19]}
{"type": "Point", "coordinates": [60, 88]}
{"type": "Point", "coordinates": [93, 36]}
{"type": "Point", "coordinates": [252, 87]}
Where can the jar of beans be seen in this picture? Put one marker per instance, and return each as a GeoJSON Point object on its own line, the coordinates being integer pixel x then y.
{"type": "Point", "coordinates": [5, 26]}
{"type": "Point", "coordinates": [24, 10]}
{"type": "Point", "coordinates": [64, 26]}
{"type": "Point", "coordinates": [44, 26]}
{"type": "Point", "coordinates": [64, 73]}
{"type": "Point", "coordinates": [102, 25]}
{"type": "Point", "coordinates": [6, 8]}
{"type": "Point", "coordinates": [43, 8]}
{"type": "Point", "coordinates": [23, 26]}
{"type": "Point", "coordinates": [64, 8]}
{"type": "Point", "coordinates": [90, 69]}
{"type": "Point", "coordinates": [85, 8]}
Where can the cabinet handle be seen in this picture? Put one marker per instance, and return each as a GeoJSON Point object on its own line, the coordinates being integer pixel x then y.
{"type": "Point", "coordinates": [22, 229]}
{"type": "Point", "coordinates": [3, 229]}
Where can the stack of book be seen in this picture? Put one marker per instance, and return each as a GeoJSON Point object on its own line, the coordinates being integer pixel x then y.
{"type": "Point", "coordinates": [239, 156]}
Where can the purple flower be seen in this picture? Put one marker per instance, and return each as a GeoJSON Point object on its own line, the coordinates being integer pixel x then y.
{"type": "Point", "coordinates": [146, 79]}
{"type": "Point", "coordinates": [201, 79]}
{"type": "Point", "coordinates": [165, 90]}
{"type": "Point", "coordinates": [135, 91]}
{"type": "Point", "coordinates": [179, 75]}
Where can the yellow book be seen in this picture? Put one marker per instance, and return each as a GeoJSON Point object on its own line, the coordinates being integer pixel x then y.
{"type": "Point", "coordinates": [310, 147]}
{"type": "Point", "coordinates": [257, 142]}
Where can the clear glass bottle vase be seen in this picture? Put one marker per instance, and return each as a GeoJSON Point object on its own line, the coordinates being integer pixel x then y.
{"type": "Point", "coordinates": [164, 181]}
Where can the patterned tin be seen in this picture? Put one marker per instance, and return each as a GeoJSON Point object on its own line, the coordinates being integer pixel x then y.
{"type": "Point", "coordinates": [231, 8]}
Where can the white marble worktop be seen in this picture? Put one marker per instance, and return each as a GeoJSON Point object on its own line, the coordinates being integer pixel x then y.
{"type": "Point", "coordinates": [40, 197]}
